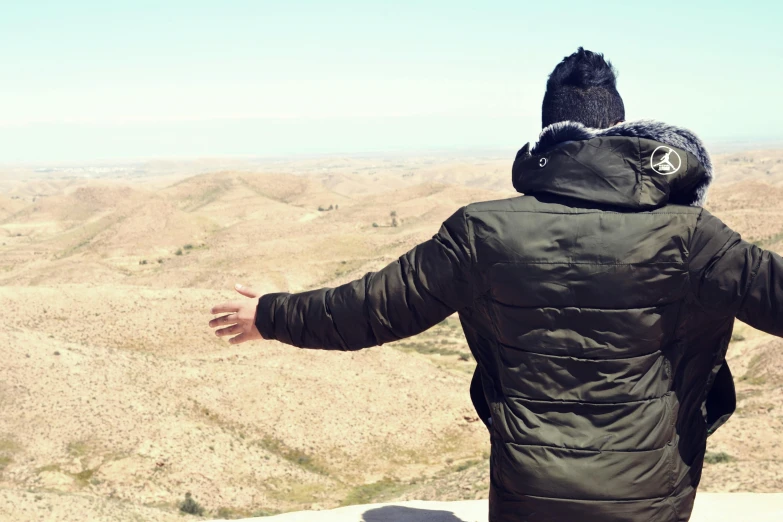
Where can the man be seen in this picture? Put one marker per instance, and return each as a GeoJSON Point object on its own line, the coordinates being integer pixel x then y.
{"type": "Point", "coordinates": [599, 307]}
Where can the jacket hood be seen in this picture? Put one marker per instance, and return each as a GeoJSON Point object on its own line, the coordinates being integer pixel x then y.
{"type": "Point", "coordinates": [637, 164]}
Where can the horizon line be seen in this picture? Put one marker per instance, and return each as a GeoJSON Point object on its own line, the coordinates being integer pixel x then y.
{"type": "Point", "coordinates": [726, 146]}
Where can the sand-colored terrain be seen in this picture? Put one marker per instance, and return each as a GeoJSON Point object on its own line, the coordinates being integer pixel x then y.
{"type": "Point", "coordinates": [118, 400]}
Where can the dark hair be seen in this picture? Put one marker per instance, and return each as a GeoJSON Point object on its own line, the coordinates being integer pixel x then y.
{"type": "Point", "coordinates": [583, 88]}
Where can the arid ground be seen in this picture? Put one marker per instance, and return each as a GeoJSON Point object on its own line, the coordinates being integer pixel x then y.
{"type": "Point", "coordinates": [117, 399]}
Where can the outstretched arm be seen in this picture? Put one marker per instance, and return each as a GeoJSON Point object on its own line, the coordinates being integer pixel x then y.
{"type": "Point", "coordinates": [734, 277]}
{"type": "Point", "coordinates": [408, 296]}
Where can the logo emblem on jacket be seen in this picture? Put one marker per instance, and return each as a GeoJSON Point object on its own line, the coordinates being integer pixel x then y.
{"type": "Point", "coordinates": [665, 160]}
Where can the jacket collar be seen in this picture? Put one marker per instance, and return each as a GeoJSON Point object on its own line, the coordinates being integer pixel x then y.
{"type": "Point", "coordinates": [625, 165]}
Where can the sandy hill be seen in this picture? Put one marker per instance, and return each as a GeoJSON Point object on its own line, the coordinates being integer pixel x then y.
{"type": "Point", "coordinates": [10, 205]}
{"type": "Point", "coordinates": [118, 400]}
{"type": "Point", "coordinates": [754, 165]}
{"type": "Point", "coordinates": [752, 207]}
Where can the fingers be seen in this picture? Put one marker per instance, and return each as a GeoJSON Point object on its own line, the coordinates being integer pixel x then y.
{"type": "Point", "coordinates": [231, 306]}
{"type": "Point", "coordinates": [241, 338]}
{"type": "Point", "coordinates": [224, 320]}
{"type": "Point", "coordinates": [234, 306]}
{"type": "Point", "coordinates": [231, 330]}
{"type": "Point", "coordinates": [232, 310]}
{"type": "Point", "coordinates": [246, 291]}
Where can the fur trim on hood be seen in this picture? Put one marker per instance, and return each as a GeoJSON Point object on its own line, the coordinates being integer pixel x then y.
{"type": "Point", "coordinates": [559, 133]}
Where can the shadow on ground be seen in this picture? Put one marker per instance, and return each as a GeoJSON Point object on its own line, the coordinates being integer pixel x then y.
{"type": "Point", "coordinates": [406, 514]}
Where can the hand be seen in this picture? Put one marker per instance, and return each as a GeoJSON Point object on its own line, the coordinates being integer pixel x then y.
{"type": "Point", "coordinates": [241, 316]}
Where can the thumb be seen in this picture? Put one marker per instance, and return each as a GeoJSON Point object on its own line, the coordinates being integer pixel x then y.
{"type": "Point", "coordinates": [246, 291]}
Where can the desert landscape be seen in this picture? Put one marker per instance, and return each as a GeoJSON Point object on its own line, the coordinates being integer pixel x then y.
{"type": "Point", "coordinates": [119, 403]}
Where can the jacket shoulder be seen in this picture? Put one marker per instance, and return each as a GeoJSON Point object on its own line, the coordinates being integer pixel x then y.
{"type": "Point", "coordinates": [514, 204]}
{"type": "Point", "coordinates": [534, 204]}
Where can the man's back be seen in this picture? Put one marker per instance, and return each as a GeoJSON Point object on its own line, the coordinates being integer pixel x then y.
{"type": "Point", "coordinates": [606, 316]}
{"type": "Point", "coordinates": [589, 350]}
{"type": "Point", "coordinates": [599, 307]}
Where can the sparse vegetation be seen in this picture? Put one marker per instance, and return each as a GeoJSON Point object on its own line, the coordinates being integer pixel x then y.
{"type": "Point", "coordinates": [374, 492]}
{"type": "Point", "coordinates": [190, 506]}
{"type": "Point", "coordinates": [753, 380]}
{"type": "Point", "coordinates": [344, 268]}
{"type": "Point", "coordinates": [143, 262]}
{"type": "Point", "coordinates": [226, 513]}
{"type": "Point", "coordinates": [717, 458]}
{"type": "Point", "coordinates": [84, 476]}
{"type": "Point", "coordinates": [178, 252]}
{"type": "Point", "coordinates": [296, 456]}
{"type": "Point", "coordinates": [769, 241]}
{"type": "Point", "coordinates": [735, 337]}
{"type": "Point", "coordinates": [208, 194]}
{"type": "Point", "coordinates": [48, 467]}
{"type": "Point", "coordinates": [755, 374]}
{"type": "Point", "coordinates": [9, 446]}
{"type": "Point", "coordinates": [230, 513]}
{"type": "Point", "coordinates": [375, 225]}
{"type": "Point", "coordinates": [77, 448]}
{"type": "Point", "coordinates": [265, 512]}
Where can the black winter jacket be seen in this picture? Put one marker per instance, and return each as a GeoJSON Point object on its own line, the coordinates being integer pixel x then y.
{"type": "Point", "coordinates": [599, 307]}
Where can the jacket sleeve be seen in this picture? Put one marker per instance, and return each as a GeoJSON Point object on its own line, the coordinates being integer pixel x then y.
{"type": "Point", "coordinates": [733, 277]}
{"type": "Point", "coordinates": [415, 292]}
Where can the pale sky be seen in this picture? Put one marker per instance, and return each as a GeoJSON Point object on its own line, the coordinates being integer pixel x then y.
{"type": "Point", "coordinates": [89, 80]}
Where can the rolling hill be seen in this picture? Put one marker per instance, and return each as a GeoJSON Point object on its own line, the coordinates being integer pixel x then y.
{"type": "Point", "coordinates": [118, 400]}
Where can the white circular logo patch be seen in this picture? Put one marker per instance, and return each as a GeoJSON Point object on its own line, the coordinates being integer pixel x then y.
{"type": "Point", "coordinates": [665, 160]}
